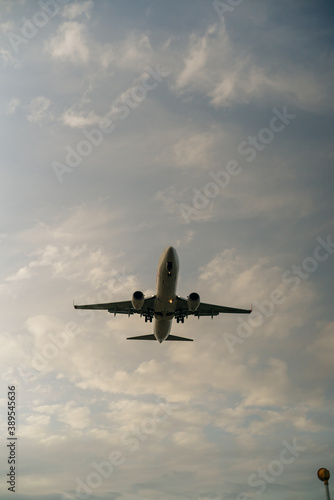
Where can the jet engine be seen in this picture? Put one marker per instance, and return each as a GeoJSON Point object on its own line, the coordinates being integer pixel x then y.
{"type": "Point", "coordinates": [193, 301]}
{"type": "Point", "coordinates": [138, 300]}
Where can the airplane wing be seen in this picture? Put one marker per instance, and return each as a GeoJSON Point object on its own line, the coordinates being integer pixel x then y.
{"type": "Point", "coordinates": [124, 307]}
{"type": "Point", "coordinates": [204, 309]}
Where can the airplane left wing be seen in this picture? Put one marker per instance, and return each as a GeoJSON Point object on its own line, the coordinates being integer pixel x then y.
{"type": "Point", "coordinates": [124, 307]}
{"type": "Point", "coordinates": [204, 309]}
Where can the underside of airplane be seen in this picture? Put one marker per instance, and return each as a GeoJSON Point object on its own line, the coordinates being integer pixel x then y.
{"type": "Point", "coordinates": [165, 305]}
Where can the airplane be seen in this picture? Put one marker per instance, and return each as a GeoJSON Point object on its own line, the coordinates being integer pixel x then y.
{"type": "Point", "coordinates": [165, 304]}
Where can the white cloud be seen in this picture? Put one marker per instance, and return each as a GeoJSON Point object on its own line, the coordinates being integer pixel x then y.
{"type": "Point", "coordinates": [107, 56]}
{"type": "Point", "coordinates": [48, 257]}
{"type": "Point", "coordinates": [173, 198]}
{"type": "Point", "coordinates": [75, 416]}
{"type": "Point", "coordinates": [35, 427]}
{"type": "Point", "coordinates": [41, 325]}
{"type": "Point", "coordinates": [67, 262]}
{"type": "Point", "coordinates": [77, 9]}
{"type": "Point", "coordinates": [56, 255]}
{"type": "Point", "coordinates": [73, 43]}
{"type": "Point", "coordinates": [70, 43]}
{"type": "Point", "coordinates": [215, 67]}
{"type": "Point", "coordinates": [38, 110]}
{"type": "Point", "coordinates": [193, 150]}
{"type": "Point", "coordinates": [8, 58]}
{"type": "Point", "coordinates": [22, 274]}
{"type": "Point", "coordinates": [7, 26]}
{"type": "Point", "coordinates": [195, 62]}
{"type": "Point", "coordinates": [74, 119]}
{"type": "Point", "coordinates": [198, 73]}
{"type": "Point", "coordinates": [135, 52]}
{"type": "Point", "coordinates": [13, 352]}
{"type": "Point", "coordinates": [12, 106]}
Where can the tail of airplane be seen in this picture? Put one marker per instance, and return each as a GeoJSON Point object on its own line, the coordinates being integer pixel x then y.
{"type": "Point", "coordinates": [152, 337]}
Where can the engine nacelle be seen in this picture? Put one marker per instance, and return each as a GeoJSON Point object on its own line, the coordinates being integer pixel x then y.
{"type": "Point", "coordinates": [138, 300]}
{"type": "Point", "coordinates": [193, 301]}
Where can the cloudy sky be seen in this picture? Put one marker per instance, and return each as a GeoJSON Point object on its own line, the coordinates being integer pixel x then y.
{"type": "Point", "coordinates": [128, 126]}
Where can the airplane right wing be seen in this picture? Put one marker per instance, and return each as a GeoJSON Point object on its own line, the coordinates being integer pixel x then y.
{"type": "Point", "coordinates": [124, 307]}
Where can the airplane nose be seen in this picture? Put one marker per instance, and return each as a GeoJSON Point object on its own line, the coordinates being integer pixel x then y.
{"type": "Point", "coordinates": [171, 253]}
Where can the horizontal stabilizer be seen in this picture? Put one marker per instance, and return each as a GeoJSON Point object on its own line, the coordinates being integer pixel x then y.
{"type": "Point", "coordinates": [142, 337]}
{"type": "Point", "coordinates": [174, 337]}
{"type": "Point", "coordinates": [152, 337]}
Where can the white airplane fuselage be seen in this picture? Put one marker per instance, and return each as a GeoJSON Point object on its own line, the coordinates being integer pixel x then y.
{"type": "Point", "coordinates": [165, 301]}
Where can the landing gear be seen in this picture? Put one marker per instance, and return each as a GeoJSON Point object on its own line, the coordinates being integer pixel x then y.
{"type": "Point", "coordinates": [148, 318]}
{"type": "Point", "coordinates": [180, 318]}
